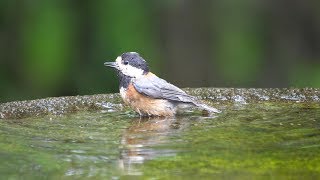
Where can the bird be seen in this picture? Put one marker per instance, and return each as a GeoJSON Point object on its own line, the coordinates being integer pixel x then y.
{"type": "Point", "coordinates": [146, 93]}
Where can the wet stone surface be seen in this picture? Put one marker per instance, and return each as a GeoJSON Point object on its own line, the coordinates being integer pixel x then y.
{"type": "Point", "coordinates": [214, 96]}
{"type": "Point", "coordinates": [59, 105]}
{"type": "Point", "coordinates": [260, 134]}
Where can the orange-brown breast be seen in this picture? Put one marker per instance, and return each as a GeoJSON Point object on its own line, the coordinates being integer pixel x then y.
{"type": "Point", "coordinates": [145, 105]}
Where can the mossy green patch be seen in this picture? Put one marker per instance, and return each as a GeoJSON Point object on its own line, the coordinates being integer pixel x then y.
{"type": "Point", "coordinates": [266, 140]}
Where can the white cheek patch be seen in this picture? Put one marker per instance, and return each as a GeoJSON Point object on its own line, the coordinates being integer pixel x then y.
{"type": "Point", "coordinates": [132, 71]}
{"type": "Point", "coordinates": [128, 70]}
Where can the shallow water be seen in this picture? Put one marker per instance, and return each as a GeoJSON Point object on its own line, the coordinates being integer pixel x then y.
{"type": "Point", "coordinates": [261, 140]}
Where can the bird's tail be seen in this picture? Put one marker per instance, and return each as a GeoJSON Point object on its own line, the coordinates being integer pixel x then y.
{"type": "Point", "coordinates": [207, 108]}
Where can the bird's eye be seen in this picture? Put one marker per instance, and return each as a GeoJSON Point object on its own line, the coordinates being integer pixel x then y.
{"type": "Point", "coordinates": [125, 62]}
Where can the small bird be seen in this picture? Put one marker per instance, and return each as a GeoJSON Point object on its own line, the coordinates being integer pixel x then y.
{"type": "Point", "coordinates": [148, 94]}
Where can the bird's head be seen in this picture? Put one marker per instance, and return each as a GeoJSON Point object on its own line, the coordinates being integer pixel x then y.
{"type": "Point", "coordinates": [130, 64]}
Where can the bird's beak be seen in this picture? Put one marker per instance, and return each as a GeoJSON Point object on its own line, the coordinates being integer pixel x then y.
{"type": "Point", "coordinates": [111, 64]}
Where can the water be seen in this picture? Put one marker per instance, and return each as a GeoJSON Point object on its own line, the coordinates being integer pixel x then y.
{"type": "Point", "coordinates": [256, 141]}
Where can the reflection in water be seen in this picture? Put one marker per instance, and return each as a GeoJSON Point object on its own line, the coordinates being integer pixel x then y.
{"type": "Point", "coordinates": [150, 138]}
{"type": "Point", "coordinates": [145, 139]}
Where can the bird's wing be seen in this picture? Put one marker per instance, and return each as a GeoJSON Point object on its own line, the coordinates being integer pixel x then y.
{"type": "Point", "coordinates": [158, 88]}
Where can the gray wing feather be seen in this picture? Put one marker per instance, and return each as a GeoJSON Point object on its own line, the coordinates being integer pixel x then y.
{"type": "Point", "coordinates": [156, 87]}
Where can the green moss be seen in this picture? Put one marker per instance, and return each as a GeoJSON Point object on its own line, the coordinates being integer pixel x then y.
{"type": "Point", "coordinates": [262, 140]}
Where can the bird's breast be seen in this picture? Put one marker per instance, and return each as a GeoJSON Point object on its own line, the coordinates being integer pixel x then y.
{"type": "Point", "coordinates": [145, 105]}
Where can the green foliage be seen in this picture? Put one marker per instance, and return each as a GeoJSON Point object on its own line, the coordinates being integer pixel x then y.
{"type": "Point", "coordinates": [305, 75]}
{"type": "Point", "coordinates": [57, 48]}
{"type": "Point", "coordinates": [47, 39]}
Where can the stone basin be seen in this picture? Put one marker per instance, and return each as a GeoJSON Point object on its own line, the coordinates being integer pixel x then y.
{"type": "Point", "coordinates": [260, 134]}
{"type": "Point", "coordinates": [70, 104]}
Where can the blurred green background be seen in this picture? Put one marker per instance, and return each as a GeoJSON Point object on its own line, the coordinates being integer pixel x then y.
{"type": "Point", "coordinates": [58, 47]}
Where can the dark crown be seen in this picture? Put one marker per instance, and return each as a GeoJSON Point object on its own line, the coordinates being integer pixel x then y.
{"type": "Point", "coordinates": [135, 60]}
